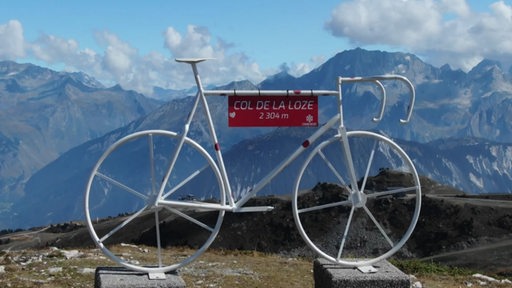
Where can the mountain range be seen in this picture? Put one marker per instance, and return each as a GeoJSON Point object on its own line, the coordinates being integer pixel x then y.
{"type": "Point", "coordinates": [55, 125]}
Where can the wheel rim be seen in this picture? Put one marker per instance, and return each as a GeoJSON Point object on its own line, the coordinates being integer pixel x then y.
{"type": "Point", "coordinates": [125, 183]}
{"type": "Point", "coordinates": [363, 227]}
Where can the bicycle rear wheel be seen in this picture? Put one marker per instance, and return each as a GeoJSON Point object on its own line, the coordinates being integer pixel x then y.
{"type": "Point", "coordinates": [124, 214]}
{"type": "Point", "coordinates": [357, 226]}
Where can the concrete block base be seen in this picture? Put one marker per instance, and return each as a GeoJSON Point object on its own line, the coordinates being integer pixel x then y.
{"type": "Point", "coordinates": [329, 275]}
{"type": "Point", "coordinates": [117, 277]}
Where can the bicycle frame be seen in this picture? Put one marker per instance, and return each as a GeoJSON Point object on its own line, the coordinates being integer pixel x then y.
{"type": "Point", "coordinates": [326, 180]}
{"type": "Point", "coordinates": [336, 121]}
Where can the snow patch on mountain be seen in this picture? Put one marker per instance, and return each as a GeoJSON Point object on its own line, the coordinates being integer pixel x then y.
{"type": "Point", "coordinates": [478, 181]}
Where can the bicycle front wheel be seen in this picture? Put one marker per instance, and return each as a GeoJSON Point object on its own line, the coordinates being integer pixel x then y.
{"type": "Point", "coordinates": [123, 204]}
{"type": "Point", "coordinates": [361, 215]}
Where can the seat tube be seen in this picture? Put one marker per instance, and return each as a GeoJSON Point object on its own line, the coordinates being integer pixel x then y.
{"type": "Point", "coordinates": [213, 135]}
{"type": "Point", "coordinates": [178, 147]}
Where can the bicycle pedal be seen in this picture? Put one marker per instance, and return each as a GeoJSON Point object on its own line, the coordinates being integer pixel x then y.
{"type": "Point", "coordinates": [367, 269]}
{"type": "Point", "coordinates": [254, 209]}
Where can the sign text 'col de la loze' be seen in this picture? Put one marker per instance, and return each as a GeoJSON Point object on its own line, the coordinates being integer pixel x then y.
{"type": "Point", "coordinates": [267, 111]}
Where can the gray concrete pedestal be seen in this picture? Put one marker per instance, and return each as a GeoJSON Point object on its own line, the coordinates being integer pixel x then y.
{"type": "Point", "coordinates": [117, 277]}
{"type": "Point", "coordinates": [329, 275]}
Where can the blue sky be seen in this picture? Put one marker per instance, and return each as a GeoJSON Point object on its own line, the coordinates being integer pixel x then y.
{"type": "Point", "coordinates": [134, 43]}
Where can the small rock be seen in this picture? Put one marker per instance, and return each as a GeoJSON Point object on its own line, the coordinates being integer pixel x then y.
{"type": "Point", "coordinates": [86, 271]}
{"type": "Point", "coordinates": [484, 278]}
{"type": "Point", "coordinates": [129, 245]}
{"type": "Point", "coordinates": [2, 269]}
{"type": "Point", "coordinates": [71, 254]}
{"type": "Point", "coordinates": [54, 270]}
{"type": "Point", "coordinates": [415, 282]}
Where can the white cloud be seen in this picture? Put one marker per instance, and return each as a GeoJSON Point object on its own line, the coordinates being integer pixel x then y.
{"type": "Point", "coordinates": [389, 22]}
{"type": "Point", "coordinates": [118, 62]}
{"type": "Point", "coordinates": [299, 69]}
{"type": "Point", "coordinates": [225, 67]}
{"type": "Point", "coordinates": [52, 49]}
{"type": "Point", "coordinates": [441, 30]}
{"type": "Point", "coordinates": [196, 42]}
{"type": "Point", "coordinates": [12, 47]}
{"type": "Point", "coordinates": [119, 58]}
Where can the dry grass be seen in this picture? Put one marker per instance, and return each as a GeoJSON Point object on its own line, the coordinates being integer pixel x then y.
{"type": "Point", "coordinates": [247, 269]}
{"type": "Point", "coordinates": [216, 268]}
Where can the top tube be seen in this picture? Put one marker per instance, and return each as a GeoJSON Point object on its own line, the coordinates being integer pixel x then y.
{"type": "Point", "coordinates": [270, 92]}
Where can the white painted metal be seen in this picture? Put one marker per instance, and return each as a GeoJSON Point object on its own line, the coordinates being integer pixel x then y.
{"type": "Point", "coordinates": [160, 195]}
{"type": "Point", "coordinates": [367, 269]}
{"type": "Point", "coordinates": [100, 236]}
{"type": "Point", "coordinates": [381, 78]}
{"type": "Point", "coordinates": [270, 92]}
{"type": "Point", "coordinates": [358, 197]}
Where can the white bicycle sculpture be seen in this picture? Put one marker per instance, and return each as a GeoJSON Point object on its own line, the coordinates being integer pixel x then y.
{"type": "Point", "coordinates": [168, 187]}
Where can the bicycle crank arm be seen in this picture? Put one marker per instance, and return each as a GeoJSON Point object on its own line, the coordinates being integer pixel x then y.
{"type": "Point", "coordinates": [253, 209]}
{"type": "Point", "coordinates": [197, 206]}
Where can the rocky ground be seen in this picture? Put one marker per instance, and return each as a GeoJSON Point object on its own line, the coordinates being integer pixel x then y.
{"type": "Point", "coordinates": [454, 229]}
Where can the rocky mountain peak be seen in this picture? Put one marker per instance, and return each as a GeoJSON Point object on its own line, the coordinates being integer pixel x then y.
{"type": "Point", "coordinates": [449, 104]}
{"type": "Point", "coordinates": [86, 79]}
{"type": "Point", "coordinates": [239, 85]}
{"type": "Point", "coordinates": [281, 80]}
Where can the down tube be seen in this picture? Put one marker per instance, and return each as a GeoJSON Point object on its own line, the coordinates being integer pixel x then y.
{"type": "Point", "coordinates": [272, 174]}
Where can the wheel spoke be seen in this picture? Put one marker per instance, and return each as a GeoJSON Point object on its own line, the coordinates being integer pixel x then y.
{"type": "Point", "coordinates": [124, 223]}
{"type": "Point", "coordinates": [345, 233]}
{"type": "Point", "coordinates": [152, 163]}
{"type": "Point", "coordinates": [124, 187]}
{"type": "Point", "coordinates": [185, 181]}
{"type": "Point", "coordinates": [331, 167]}
{"type": "Point", "coordinates": [121, 185]}
{"type": "Point", "coordinates": [189, 218]}
{"type": "Point", "coordinates": [367, 152]}
{"type": "Point", "coordinates": [158, 244]}
{"type": "Point", "coordinates": [324, 206]}
{"type": "Point", "coordinates": [370, 214]}
{"type": "Point", "coordinates": [369, 165]}
{"type": "Point", "coordinates": [392, 192]}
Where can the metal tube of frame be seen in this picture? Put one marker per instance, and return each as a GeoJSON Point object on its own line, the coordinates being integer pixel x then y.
{"type": "Point", "coordinates": [340, 103]}
{"type": "Point", "coordinates": [178, 148]}
{"type": "Point", "coordinates": [217, 149]}
{"type": "Point", "coordinates": [344, 139]}
{"type": "Point", "coordinates": [379, 85]}
{"type": "Point", "coordinates": [270, 92]}
{"type": "Point", "coordinates": [265, 180]}
{"type": "Point", "coordinates": [387, 78]}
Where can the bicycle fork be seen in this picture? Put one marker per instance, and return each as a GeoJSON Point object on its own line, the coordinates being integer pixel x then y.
{"type": "Point", "coordinates": [342, 131]}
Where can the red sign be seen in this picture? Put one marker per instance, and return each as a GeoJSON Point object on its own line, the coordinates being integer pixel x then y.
{"type": "Point", "coordinates": [267, 111]}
